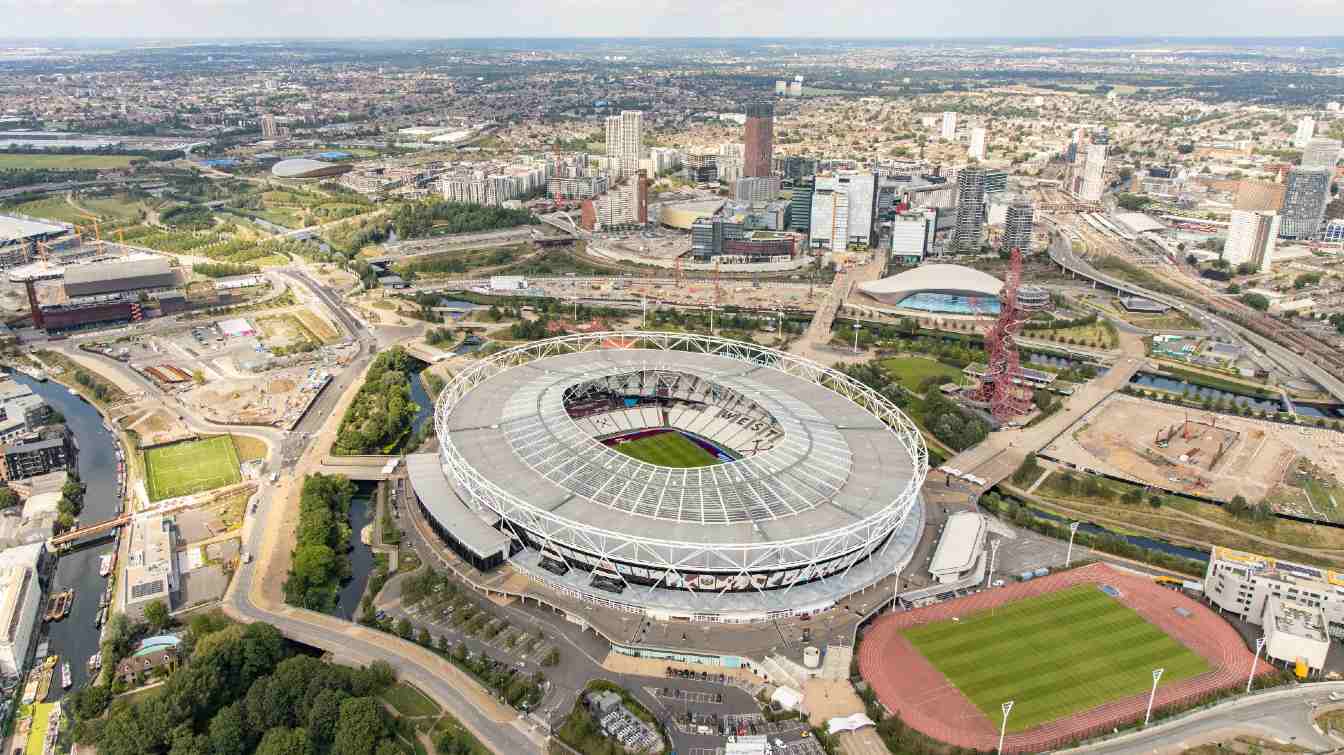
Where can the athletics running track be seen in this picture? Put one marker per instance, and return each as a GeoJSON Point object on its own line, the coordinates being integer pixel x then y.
{"type": "Point", "coordinates": [910, 686]}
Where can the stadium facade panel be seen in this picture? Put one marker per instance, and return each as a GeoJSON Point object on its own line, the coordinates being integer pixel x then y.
{"type": "Point", "coordinates": [821, 488]}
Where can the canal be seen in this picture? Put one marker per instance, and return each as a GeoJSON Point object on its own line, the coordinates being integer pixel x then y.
{"type": "Point", "coordinates": [75, 638]}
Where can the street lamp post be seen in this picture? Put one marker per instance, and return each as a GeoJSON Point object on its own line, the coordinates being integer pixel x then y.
{"type": "Point", "coordinates": [1157, 674]}
{"type": "Point", "coordinates": [857, 328]}
{"type": "Point", "coordinates": [1259, 644]}
{"type": "Point", "coordinates": [1003, 728]}
{"type": "Point", "coordinates": [644, 306]}
{"type": "Point", "coordinates": [1068, 557]}
{"type": "Point", "coordinates": [993, 560]}
{"type": "Point", "coordinates": [711, 320]}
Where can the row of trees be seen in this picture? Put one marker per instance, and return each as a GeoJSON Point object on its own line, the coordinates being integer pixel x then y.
{"type": "Point", "coordinates": [224, 269]}
{"type": "Point", "coordinates": [381, 415]}
{"type": "Point", "coordinates": [437, 216]}
{"type": "Point", "coordinates": [320, 562]}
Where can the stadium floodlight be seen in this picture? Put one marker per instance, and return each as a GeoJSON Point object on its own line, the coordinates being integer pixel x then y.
{"type": "Point", "coordinates": [1259, 645]}
{"type": "Point", "coordinates": [1003, 728]}
{"type": "Point", "coordinates": [896, 589]}
{"type": "Point", "coordinates": [1068, 556]}
{"type": "Point", "coordinates": [1157, 674]}
{"type": "Point", "coordinates": [857, 328]}
{"type": "Point", "coordinates": [993, 560]}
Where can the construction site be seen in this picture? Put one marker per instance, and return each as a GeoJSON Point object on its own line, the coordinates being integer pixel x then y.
{"type": "Point", "coordinates": [1201, 453]}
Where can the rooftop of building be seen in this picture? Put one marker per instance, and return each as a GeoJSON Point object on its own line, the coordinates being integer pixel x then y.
{"type": "Point", "coordinates": [948, 278]}
{"type": "Point", "coordinates": [1269, 567]}
{"type": "Point", "coordinates": [960, 543]}
{"type": "Point", "coordinates": [119, 275]}
{"type": "Point", "coordinates": [17, 229]}
{"type": "Point", "coordinates": [15, 581]}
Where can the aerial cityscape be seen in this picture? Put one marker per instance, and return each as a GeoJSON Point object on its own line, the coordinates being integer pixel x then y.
{"type": "Point", "coordinates": [382, 393]}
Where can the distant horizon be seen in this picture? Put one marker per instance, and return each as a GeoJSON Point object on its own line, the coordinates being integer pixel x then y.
{"type": "Point", "coordinates": [668, 37]}
{"type": "Point", "coordinates": [583, 20]}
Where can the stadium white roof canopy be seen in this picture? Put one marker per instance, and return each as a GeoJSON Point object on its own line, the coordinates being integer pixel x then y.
{"type": "Point", "coordinates": [935, 278]}
{"type": "Point", "coordinates": [828, 470]}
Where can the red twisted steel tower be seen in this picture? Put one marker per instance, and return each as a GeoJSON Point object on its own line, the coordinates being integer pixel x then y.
{"type": "Point", "coordinates": [1002, 386]}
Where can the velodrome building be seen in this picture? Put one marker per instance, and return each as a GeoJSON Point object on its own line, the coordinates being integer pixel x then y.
{"type": "Point", "coordinates": [809, 488]}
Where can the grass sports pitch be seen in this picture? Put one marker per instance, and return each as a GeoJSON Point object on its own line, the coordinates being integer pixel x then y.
{"type": "Point", "coordinates": [668, 449]}
{"type": "Point", "coordinates": [191, 467]}
{"type": "Point", "coordinates": [1053, 655]}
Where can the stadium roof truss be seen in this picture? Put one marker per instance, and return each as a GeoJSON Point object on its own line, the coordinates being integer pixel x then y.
{"type": "Point", "coordinates": [737, 496]}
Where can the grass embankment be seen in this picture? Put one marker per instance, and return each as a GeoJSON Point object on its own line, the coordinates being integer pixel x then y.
{"type": "Point", "coordinates": [1054, 654]}
{"type": "Point", "coordinates": [12, 161]}
{"type": "Point", "coordinates": [1186, 521]}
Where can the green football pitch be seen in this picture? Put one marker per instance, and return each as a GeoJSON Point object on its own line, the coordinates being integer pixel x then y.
{"type": "Point", "coordinates": [191, 467]}
{"type": "Point", "coordinates": [668, 449]}
{"type": "Point", "coordinates": [1053, 655]}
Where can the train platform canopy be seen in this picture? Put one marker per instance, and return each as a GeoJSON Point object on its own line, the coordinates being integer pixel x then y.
{"type": "Point", "coordinates": [1137, 222]}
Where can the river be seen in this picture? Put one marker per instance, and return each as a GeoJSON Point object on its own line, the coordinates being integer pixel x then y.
{"type": "Point", "coordinates": [1274, 404]}
{"type": "Point", "coordinates": [75, 638]}
{"type": "Point", "coordinates": [361, 555]}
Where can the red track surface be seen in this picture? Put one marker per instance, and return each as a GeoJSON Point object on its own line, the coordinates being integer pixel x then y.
{"type": "Point", "coordinates": [907, 684]}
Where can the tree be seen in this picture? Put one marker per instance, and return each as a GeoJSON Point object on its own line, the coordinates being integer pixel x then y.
{"type": "Point", "coordinates": [1256, 301]}
{"type": "Point", "coordinates": [198, 376]}
{"type": "Point", "coordinates": [8, 497]}
{"type": "Point", "coordinates": [424, 638]}
{"type": "Point", "coordinates": [285, 741]}
{"type": "Point", "coordinates": [323, 716]}
{"type": "Point", "coordinates": [156, 616]}
{"type": "Point", "coordinates": [362, 725]}
{"type": "Point", "coordinates": [404, 628]}
{"type": "Point", "coordinates": [229, 734]}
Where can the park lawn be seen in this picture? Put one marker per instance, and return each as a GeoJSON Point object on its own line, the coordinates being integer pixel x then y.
{"type": "Point", "coordinates": [910, 372]}
{"type": "Point", "coordinates": [119, 207]}
{"type": "Point", "coordinates": [668, 449]}
{"type": "Point", "coordinates": [1053, 655]}
{"type": "Point", "coordinates": [50, 208]}
{"type": "Point", "coordinates": [409, 701]}
{"type": "Point", "coordinates": [191, 466]}
{"type": "Point", "coordinates": [10, 161]}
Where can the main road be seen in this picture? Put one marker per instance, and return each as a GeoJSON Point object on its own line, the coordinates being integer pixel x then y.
{"type": "Point", "coordinates": [1062, 254]}
{"type": "Point", "coordinates": [255, 593]}
{"type": "Point", "coordinates": [1276, 715]}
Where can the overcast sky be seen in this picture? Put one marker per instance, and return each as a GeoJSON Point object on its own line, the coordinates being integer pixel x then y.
{"type": "Point", "coordinates": [476, 18]}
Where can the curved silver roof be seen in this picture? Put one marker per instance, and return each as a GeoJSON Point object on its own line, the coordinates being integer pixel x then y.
{"type": "Point", "coordinates": [939, 278]}
{"type": "Point", "coordinates": [838, 466]}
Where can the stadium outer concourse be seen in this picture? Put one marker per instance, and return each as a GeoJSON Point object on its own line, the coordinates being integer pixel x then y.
{"type": "Point", "coordinates": [813, 493]}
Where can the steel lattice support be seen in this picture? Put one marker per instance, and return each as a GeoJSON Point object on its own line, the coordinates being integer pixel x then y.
{"type": "Point", "coordinates": [1002, 386]}
{"type": "Point", "coordinates": [845, 544]}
